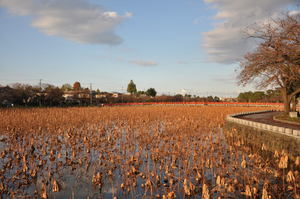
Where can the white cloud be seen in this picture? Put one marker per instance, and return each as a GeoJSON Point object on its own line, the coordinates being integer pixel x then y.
{"type": "Point", "coordinates": [294, 12]}
{"type": "Point", "coordinates": [110, 14]}
{"type": "Point", "coordinates": [143, 63]}
{"type": "Point", "coordinates": [224, 15]}
{"type": "Point", "coordinates": [76, 20]}
{"type": "Point", "coordinates": [128, 14]}
{"type": "Point", "coordinates": [226, 43]}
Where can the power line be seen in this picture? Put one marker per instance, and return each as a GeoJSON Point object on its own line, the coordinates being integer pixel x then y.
{"type": "Point", "coordinates": [91, 96]}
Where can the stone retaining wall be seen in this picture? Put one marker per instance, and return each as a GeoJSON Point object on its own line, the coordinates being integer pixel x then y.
{"type": "Point", "coordinates": [262, 126]}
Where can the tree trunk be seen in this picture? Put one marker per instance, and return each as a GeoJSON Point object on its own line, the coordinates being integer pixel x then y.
{"type": "Point", "coordinates": [292, 96]}
{"type": "Point", "coordinates": [286, 100]}
{"type": "Point", "coordinates": [293, 103]}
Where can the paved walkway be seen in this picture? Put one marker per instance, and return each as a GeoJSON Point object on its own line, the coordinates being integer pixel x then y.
{"type": "Point", "coordinates": [267, 118]}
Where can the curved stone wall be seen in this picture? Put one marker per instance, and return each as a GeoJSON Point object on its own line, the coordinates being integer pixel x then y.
{"type": "Point", "coordinates": [262, 126]}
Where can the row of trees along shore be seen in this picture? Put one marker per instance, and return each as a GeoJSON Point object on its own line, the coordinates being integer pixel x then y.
{"type": "Point", "coordinates": [272, 96]}
{"type": "Point", "coordinates": [49, 95]}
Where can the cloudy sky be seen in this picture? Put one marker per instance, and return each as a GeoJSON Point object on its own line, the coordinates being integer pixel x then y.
{"type": "Point", "coordinates": [189, 46]}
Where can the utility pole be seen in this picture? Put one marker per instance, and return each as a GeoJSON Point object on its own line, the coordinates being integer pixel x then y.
{"type": "Point", "coordinates": [41, 84]}
{"type": "Point", "coordinates": [40, 96]}
{"type": "Point", "coordinates": [91, 95]}
{"type": "Point", "coordinates": [122, 94]}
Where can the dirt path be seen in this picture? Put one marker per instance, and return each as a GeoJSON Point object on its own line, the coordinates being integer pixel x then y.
{"type": "Point", "coordinates": [267, 118]}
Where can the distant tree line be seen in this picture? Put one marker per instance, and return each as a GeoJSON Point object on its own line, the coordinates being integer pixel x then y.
{"type": "Point", "coordinates": [162, 98]}
{"type": "Point", "coordinates": [75, 95]}
{"type": "Point", "coordinates": [43, 95]}
{"type": "Point", "coordinates": [131, 88]}
{"type": "Point", "coordinates": [27, 95]}
{"type": "Point", "coordinates": [260, 96]}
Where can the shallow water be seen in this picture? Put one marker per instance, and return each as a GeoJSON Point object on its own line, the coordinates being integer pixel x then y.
{"type": "Point", "coordinates": [137, 159]}
{"type": "Point", "coordinates": [71, 161]}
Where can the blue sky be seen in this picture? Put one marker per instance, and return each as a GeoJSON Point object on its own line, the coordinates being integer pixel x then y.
{"type": "Point", "coordinates": [172, 45]}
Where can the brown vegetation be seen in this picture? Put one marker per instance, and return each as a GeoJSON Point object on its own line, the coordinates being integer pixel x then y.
{"type": "Point", "coordinates": [134, 152]}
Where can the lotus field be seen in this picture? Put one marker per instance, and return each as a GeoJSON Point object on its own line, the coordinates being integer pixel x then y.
{"type": "Point", "coordinates": [136, 152]}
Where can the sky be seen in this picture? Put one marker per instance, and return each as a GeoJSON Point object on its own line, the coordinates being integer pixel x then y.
{"type": "Point", "coordinates": [174, 46]}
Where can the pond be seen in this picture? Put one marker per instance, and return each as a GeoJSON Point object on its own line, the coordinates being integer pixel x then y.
{"type": "Point", "coordinates": [176, 152]}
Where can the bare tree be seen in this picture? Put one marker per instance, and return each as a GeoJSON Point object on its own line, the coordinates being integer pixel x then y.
{"type": "Point", "coordinates": [276, 61]}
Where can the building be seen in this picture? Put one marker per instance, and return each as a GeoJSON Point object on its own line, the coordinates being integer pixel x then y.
{"type": "Point", "coordinates": [81, 94]}
{"type": "Point", "coordinates": [116, 94]}
{"type": "Point", "coordinates": [102, 95]}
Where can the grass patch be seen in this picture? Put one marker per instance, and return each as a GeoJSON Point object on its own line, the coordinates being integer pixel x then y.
{"type": "Point", "coordinates": [286, 117]}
